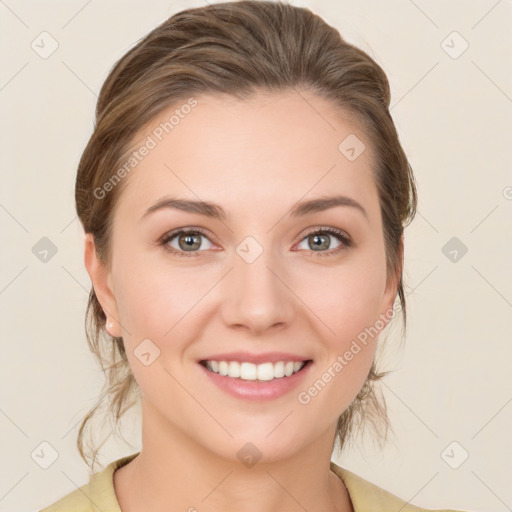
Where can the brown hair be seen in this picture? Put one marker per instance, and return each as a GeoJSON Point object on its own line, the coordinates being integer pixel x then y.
{"type": "Point", "coordinates": [237, 48]}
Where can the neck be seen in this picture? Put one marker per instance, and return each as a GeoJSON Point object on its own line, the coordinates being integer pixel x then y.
{"type": "Point", "coordinates": [172, 472]}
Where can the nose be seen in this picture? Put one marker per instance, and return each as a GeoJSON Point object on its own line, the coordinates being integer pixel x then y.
{"type": "Point", "coordinates": [256, 296]}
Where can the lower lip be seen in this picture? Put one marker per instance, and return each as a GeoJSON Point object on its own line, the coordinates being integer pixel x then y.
{"type": "Point", "coordinates": [258, 390]}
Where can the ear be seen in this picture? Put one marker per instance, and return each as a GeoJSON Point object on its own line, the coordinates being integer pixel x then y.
{"type": "Point", "coordinates": [392, 284]}
{"type": "Point", "coordinates": [101, 281]}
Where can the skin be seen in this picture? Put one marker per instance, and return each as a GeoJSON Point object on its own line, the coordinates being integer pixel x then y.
{"type": "Point", "coordinates": [273, 150]}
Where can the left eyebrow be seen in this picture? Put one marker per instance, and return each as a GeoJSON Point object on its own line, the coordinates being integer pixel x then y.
{"type": "Point", "coordinates": [325, 203]}
{"type": "Point", "coordinates": [216, 211]}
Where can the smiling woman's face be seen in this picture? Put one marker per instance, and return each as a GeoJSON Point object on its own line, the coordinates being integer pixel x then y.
{"type": "Point", "coordinates": [254, 281]}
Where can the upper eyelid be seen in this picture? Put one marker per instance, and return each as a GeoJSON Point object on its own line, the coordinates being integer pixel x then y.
{"type": "Point", "coordinates": [175, 232]}
{"type": "Point", "coordinates": [204, 232]}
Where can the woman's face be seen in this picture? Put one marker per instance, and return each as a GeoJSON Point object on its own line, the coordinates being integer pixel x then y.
{"type": "Point", "coordinates": [254, 281]}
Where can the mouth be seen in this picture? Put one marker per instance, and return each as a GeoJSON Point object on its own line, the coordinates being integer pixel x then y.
{"type": "Point", "coordinates": [256, 382]}
{"type": "Point", "coordinates": [264, 372]}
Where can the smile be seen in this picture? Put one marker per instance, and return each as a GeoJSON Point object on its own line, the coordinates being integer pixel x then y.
{"type": "Point", "coordinates": [246, 383]}
{"type": "Point", "coordinates": [250, 371]}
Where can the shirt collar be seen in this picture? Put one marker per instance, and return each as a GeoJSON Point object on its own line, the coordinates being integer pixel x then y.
{"type": "Point", "coordinates": [368, 497]}
{"type": "Point", "coordinates": [101, 486]}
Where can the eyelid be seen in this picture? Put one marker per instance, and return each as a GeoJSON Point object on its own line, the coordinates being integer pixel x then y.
{"type": "Point", "coordinates": [169, 235]}
{"type": "Point", "coordinates": [177, 231]}
{"type": "Point", "coordinates": [343, 237]}
{"type": "Point", "coordinates": [328, 229]}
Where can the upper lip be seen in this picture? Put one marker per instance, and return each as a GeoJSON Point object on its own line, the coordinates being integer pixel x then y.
{"type": "Point", "coordinates": [269, 357]}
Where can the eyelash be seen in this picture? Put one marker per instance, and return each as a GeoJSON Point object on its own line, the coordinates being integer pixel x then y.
{"type": "Point", "coordinates": [342, 237]}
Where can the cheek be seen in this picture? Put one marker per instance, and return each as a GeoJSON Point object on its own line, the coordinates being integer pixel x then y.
{"type": "Point", "coordinates": [163, 305]}
{"type": "Point", "coordinates": [152, 299]}
{"type": "Point", "coordinates": [345, 304]}
{"type": "Point", "coordinates": [346, 299]}
{"type": "Point", "coordinates": [347, 309]}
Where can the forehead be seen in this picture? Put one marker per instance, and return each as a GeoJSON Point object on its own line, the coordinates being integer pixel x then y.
{"type": "Point", "coordinates": [274, 148]}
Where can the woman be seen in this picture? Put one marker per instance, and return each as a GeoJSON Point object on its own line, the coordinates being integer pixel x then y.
{"type": "Point", "coordinates": [244, 197]}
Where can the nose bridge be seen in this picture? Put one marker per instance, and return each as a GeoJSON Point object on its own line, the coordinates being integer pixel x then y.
{"type": "Point", "coordinates": [255, 293]}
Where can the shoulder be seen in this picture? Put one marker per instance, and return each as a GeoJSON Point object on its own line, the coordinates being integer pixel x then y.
{"type": "Point", "coordinates": [98, 495]}
{"type": "Point", "coordinates": [367, 496]}
{"type": "Point", "coordinates": [78, 500]}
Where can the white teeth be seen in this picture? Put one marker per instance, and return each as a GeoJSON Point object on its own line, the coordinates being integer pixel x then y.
{"type": "Point", "coordinates": [250, 371]}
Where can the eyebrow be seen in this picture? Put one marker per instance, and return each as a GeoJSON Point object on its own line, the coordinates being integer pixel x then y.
{"type": "Point", "coordinates": [216, 211]}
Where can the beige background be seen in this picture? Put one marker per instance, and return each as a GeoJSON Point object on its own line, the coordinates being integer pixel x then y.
{"type": "Point", "coordinates": [452, 381]}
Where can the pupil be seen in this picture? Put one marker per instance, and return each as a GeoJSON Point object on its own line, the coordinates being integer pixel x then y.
{"type": "Point", "coordinates": [190, 240]}
{"type": "Point", "coordinates": [317, 241]}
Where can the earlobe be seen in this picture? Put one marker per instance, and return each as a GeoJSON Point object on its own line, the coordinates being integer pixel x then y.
{"type": "Point", "coordinates": [101, 282]}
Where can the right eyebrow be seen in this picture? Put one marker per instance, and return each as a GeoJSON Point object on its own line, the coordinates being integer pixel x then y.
{"type": "Point", "coordinates": [188, 205]}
